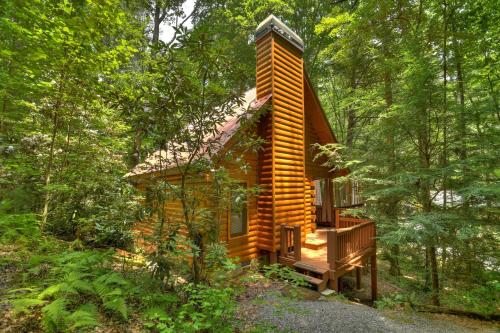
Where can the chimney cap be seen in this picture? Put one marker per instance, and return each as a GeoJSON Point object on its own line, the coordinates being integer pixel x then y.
{"type": "Point", "coordinates": [272, 23]}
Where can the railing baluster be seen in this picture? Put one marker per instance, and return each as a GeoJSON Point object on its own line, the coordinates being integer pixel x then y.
{"type": "Point", "coordinates": [354, 239]}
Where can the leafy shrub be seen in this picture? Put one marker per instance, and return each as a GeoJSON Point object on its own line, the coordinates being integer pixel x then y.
{"type": "Point", "coordinates": [277, 271]}
{"type": "Point", "coordinates": [19, 228]}
{"type": "Point", "coordinates": [394, 301]}
{"type": "Point", "coordinates": [206, 308]}
{"type": "Point", "coordinates": [102, 217]}
{"type": "Point", "coordinates": [218, 264]}
{"type": "Point", "coordinates": [482, 299]}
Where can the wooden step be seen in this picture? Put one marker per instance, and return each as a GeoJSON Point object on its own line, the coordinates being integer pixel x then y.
{"type": "Point", "coordinates": [315, 245]}
{"type": "Point", "coordinates": [319, 284]}
{"type": "Point", "coordinates": [306, 267]}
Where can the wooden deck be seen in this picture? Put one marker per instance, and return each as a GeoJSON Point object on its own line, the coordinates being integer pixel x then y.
{"type": "Point", "coordinates": [329, 253]}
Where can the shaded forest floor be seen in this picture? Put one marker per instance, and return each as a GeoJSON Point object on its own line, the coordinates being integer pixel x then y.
{"type": "Point", "coordinates": [275, 307]}
{"type": "Point", "coordinates": [270, 305]}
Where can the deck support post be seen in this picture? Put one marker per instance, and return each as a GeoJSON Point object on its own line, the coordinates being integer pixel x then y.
{"type": "Point", "coordinates": [331, 258]}
{"type": "Point", "coordinates": [358, 278]}
{"type": "Point", "coordinates": [336, 215]}
{"type": "Point", "coordinates": [297, 242]}
{"type": "Point", "coordinates": [273, 257]}
{"type": "Point", "coordinates": [373, 275]}
{"type": "Point", "coordinates": [333, 282]}
{"type": "Point", "coordinates": [283, 249]}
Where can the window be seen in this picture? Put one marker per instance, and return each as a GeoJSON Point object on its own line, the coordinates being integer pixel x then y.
{"type": "Point", "coordinates": [347, 194]}
{"type": "Point", "coordinates": [238, 211]}
{"type": "Point", "coordinates": [149, 201]}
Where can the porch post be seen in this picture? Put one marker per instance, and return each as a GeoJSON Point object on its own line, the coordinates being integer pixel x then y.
{"type": "Point", "coordinates": [336, 215]}
{"type": "Point", "coordinates": [297, 242]}
{"type": "Point", "coordinates": [331, 258]}
{"type": "Point", "coordinates": [373, 275]}
{"type": "Point", "coordinates": [331, 250]}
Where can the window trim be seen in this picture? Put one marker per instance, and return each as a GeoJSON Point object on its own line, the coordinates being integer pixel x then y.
{"type": "Point", "coordinates": [229, 235]}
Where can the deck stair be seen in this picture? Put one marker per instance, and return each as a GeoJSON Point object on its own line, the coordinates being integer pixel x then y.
{"type": "Point", "coordinates": [328, 254]}
{"type": "Point", "coordinates": [316, 276]}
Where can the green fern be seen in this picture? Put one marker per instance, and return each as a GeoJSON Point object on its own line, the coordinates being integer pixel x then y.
{"type": "Point", "coordinates": [117, 304]}
{"type": "Point", "coordinates": [55, 314]}
{"type": "Point", "coordinates": [56, 289]}
{"type": "Point", "coordinates": [24, 305]}
{"type": "Point", "coordinates": [86, 316]}
{"type": "Point", "coordinates": [83, 286]}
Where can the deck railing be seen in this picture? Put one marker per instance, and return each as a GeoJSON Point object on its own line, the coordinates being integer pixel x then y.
{"type": "Point", "coordinates": [345, 244]}
{"type": "Point", "coordinates": [290, 246]}
{"type": "Point", "coordinates": [347, 222]}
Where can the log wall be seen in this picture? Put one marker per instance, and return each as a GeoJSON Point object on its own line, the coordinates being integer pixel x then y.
{"type": "Point", "coordinates": [244, 247]}
{"type": "Point", "coordinates": [280, 72]}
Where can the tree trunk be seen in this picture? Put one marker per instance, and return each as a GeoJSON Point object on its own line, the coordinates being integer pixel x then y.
{"type": "Point", "coordinates": [351, 112]}
{"type": "Point", "coordinates": [48, 173]}
{"type": "Point", "coordinates": [391, 207]}
{"type": "Point", "coordinates": [434, 276]}
{"type": "Point", "coordinates": [394, 268]}
{"type": "Point", "coordinates": [462, 128]}
{"type": "Point", "coordinates": [445, 104]}
{"type": "Point", "coordinates": [137, 149]}
{"type": "Point", "coordinates": [156, 22]}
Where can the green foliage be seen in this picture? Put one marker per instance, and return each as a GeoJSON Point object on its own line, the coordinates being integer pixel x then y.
{"type": "Point", "coordinates": [87, 91]}
{"type": "Point", "coordinates": [78, 283]}
{"type": "Point", "coordinates": [207, 308]}
{"type": "Point", "coordinates": [20, 228]}
{"type": "Point", "coordinates": [482, 299]}
{"type": "Point", "coordinates": [284, 273]}
{"type": "Point", "coordinates": [61, 141]}
{"type": "Point", "coordinates": [392, 302]}
{"type": "Point", "coordinates": [411, 96]}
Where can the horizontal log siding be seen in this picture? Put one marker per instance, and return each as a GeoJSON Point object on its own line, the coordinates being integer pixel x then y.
{"type": "Point", "coordinates": [288, 138]}
{"type": "Point", "coordinates": [244, 247]}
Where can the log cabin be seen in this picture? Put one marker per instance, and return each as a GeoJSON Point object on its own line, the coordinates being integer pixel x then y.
{"type": "Point", "coordinates": [295, 219]}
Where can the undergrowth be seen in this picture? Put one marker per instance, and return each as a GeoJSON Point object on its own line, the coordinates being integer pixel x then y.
{"type": "Point", "coordinates": [479, 297]}
{"type": "Point", "coordinates": [80, 290]}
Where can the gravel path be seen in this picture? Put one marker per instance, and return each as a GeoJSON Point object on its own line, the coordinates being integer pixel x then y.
{"type": "Point", "coordinates": [277, 313]}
